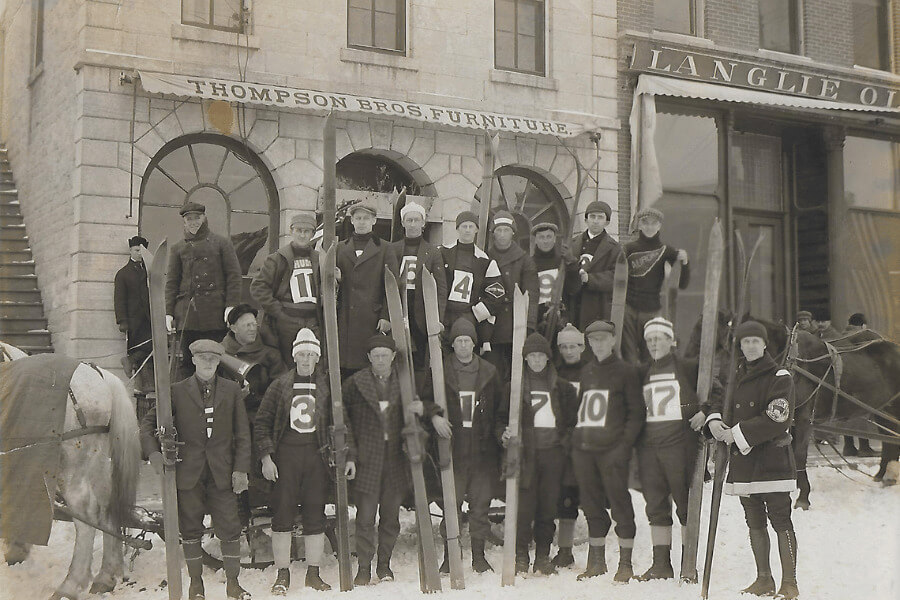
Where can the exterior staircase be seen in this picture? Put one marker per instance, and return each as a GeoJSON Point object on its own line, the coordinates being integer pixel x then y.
{"type": "Point", "coordinates": [22, 321]}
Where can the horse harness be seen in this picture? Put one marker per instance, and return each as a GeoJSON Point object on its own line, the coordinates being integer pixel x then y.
{"type": "Point", "coordinates": [79, 414]}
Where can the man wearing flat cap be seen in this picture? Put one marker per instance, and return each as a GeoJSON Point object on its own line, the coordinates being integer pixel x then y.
{"type": "Point", "coordinates": [203, 283]}
{"type": "Point", "coordinates": [548, 257]}
{"type": "Point", "coordinates": [591, 292]}
{"type": "Point", "coordinates": [212, 427]}
{"type": "Point", "coordinates": [288, 287]}
{"type": "Point", "coordinates": [362, 309]}
{"type": "Point", "coordinates": [805, 322]}
{"type": "Point", "coordinates": [132, 305]}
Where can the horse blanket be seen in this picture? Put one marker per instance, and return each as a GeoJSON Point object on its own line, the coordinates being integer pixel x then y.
{"type": "Point", "coordinates": [33, 394]}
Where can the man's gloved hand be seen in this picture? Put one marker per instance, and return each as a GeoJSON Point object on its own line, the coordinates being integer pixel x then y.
{"type": "Point", "coordinates": [384, 325]}
{"type": "Point", "coordinates": [698, 420]}
{"type": "Point", "coordinates": [239, 482]}
{"type": "Point", "coordinates": [156, 461]}
{"type": "Point", "coordinates": [350, 469]}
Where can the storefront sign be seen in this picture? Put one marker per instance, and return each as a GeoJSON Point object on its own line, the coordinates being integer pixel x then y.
{"type": "Point", "coordinates": [655, 58]}
{"type": "Point", "coordinates": [273, 95]}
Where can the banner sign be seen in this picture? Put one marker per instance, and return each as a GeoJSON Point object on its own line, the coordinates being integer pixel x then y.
{"type": "Point", "coordinates": [649, 57]}
{"type": "Point", "coordinates": [274, 95]}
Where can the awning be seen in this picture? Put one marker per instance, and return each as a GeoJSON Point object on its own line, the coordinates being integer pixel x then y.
{"type": "Point", "coordinates": [186, 86]}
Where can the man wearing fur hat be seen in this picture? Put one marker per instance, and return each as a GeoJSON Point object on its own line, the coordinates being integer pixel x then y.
{"type": "Point", "coordinates": [292, 436]}
{"type": "Point", "coordinates": [473, 394]}
{"type": "Point", "coordinates": [516, 268]}
{"type": "Point", "coordinates": [547, 257]}
{"type": "Point", "coordinates": [203, 283]}
{"type": "Point", "coordinates": [762, 470]}
{"type": "Point", "coordinates": [132, 306]}
{"type": "Point", "coordinates": [591, 292]}
{"type": "Point", "coordinates": [549, 407]}
{"type": "Point", "coordinates": [288, 287]}
{"type": "Point", "coordinates": [412, 254]}
{"type": "Point", "coordinates": [647, 257]}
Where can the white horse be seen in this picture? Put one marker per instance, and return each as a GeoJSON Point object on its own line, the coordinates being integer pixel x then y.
{"type": "Point", "coordinates": [97, 477]}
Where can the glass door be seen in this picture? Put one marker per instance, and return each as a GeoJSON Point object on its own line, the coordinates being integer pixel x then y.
{"type": "Point", "coordinates": [766, 295]}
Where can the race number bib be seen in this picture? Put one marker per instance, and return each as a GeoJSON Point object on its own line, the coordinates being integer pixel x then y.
{"type": "Point", "coordinates": [546, 280]}
{"type": "Point", "coordinates": [302, 282]}
{"type": "Point", "coordinates": [408, 271]}
{"type": "Point", "coordinates": [467, 408]}
{"type": "Point", "coordinates": [662, 397]}
{"type": "Point", "coordinates": [592, 412]}
{"type": "Point", "coordinates": [577, 386]}
{"type": "Point", "coordinates": [303, 408]}
{"type": "Point", "coordinates": [542, 409]}
{"type": "Point", "coordinates": [461, 290]}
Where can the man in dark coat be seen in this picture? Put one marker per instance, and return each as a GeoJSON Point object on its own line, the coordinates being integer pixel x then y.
{"type": "Point", "coordinates": [548, 257]}
{"type": "Point", "coordinates": [362, 312]}
{"type": "Point", "coordinates": [516, 268]}
{"type": "Point", "coordinates": [214, 461]}
{"type": "Point", "coordinates": [287, 287]}
{"type": "Point", "coordinates": [762, 469]}
{"type": "Point", "coordinates": [203, 283]}
{"type": "Point", "coordinates": [132, 305]}
{"type": "Point", "coordinates": [375, 417]}
{"type": "Point", "coordinates": [591, 292]}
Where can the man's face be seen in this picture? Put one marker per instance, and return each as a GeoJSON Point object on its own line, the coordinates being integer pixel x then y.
{"type": "Point", "coordinates": [649, 225]}
{"type": "Point", "coordinates": [413, 224]}
{"type": "Point", "coordinates": [466, 232]}
{"type": "Point", "coordinates": [362, 221]}
{"type": "Point", "coordinates": [536, 361]}
{"type": "Point", "coordinates": [570, 352]}
{"type": "Point", "coordinates": [381, 359]}
{"type": "Point", "coordinates": [545, 240]}
{"type": "Point", "coordinates": [753, 347]}
{"type": "Point", "coordinates": [659, 344]}
{"type": "Point", "coordinates": [306, 361]}
{"type": "Point", "coordinates": [596, 222]}
{"type": "Point", "coordinates": [193, 221]}
{"type": "Point", "coordinates": [206, 364]}
{"type": "Point", "coordinates": [245, 328]}
{"type": "Point", "coordinates": [463, 347]}
{"type": "Point", "coordinates": [135, 252]}
{"type": "Point", "coordinates": [503, 236]}
{"type": "Point", "coordinates": [301, 235]}
{"type": "Point", "coordinates": [602, 344]}
{"type": "Point", "coordinates": [805, 323]}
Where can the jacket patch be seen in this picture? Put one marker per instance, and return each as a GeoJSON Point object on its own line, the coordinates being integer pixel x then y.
{"type": "Point", "coordinates": [496, 290]}
{"type": "Point", "coordinates": [640, 263]}
{"type": "Point", "coordinates": [778, 410]}
{"type": "Point", "coordinates": [782, 372]}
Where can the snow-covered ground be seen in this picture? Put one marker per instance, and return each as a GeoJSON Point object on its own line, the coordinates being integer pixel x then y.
{"type": "Point", "coordinates": [849, 547]}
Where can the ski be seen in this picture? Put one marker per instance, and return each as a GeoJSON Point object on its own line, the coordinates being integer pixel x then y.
{"type": "Point", "coordinates": [514, 446]}
{"type": "Point", "coordinates": [715, 259]}
{"type": "Point", "coordinates": [445, 448]}
{"type": "Point", "coordinates": [670, 291]}
{"type": "Point", "coordinates": [491, 148]}
{"type": "Point", "coordinates": [327, 260]}
{"type": "Point", "coordinates": [165, 426]}
{"type": "Point", "coordinates": [721, 448]}
{"type": "Point", "coordinates": [414, 436]}
{"type": "Point", "coordinates": [620, 291]}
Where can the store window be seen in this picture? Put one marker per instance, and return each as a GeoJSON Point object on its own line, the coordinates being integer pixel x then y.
{"type": "Point", "coordinates": [677, 16]}
{"type": "Point", "coordinates": [872, 173]}
{"type": "Point", "coordinates": [779, 25]}
{"type": "Point", "coordinates": [756, 171]}
{"type": "Point", "coordinates": [228, 179]}
{"type": "Point", "coordinates": [377, 25]}
{"type": "Point", "coordinates": [871, 47]}
{"type": "Point", "coordinates": [519, 36]}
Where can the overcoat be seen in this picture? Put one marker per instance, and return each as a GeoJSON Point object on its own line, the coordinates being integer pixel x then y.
{"type": "Point", "coordinates": [593, 300]}
{"type": "Point", "coordinates": [132, 300]}
{"type": "Point", "coordinates": [516, 268]}
{"type": "Point", "coordinates": [428, 256]}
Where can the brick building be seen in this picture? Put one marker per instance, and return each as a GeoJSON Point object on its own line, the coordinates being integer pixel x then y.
{"type": "Point", "coordinates": [775, 116]}
{"type": "Point", "coordinates": [115, 113]}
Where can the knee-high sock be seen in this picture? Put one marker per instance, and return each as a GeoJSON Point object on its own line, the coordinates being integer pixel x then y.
{"type": "Point", "coordinates": [231, 558]}
{"type": "Point", "coordinates": [193, 556]}
{"type": "Point", "coordinates": [566, 536]}
{"type": "Point", "coordinates": [315, 548]}
{"type": "Point", "coordinates": [281, 549]}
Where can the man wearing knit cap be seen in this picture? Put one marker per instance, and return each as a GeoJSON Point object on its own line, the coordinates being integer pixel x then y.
{"type": "Point", "coordinates": [761, 470]}
{"type": "Point", "coordinates": [203, 283]}
{"type": "Point", "coordinates": [292, 429]}
{"type": "Point", "coordinates": [610, 417]}
{"type": "Point", "coordinates": [647, 259]}
{"type": "Point", "coordinates": [288, 287]}
{"type": "Point", "coordinates": [473, 394]}
{"type": "Point", "coordinates": [474, 290]}
{"type": "Point", "coordinates": [547, 257]}
{"type": "Point", "coordinates": [362, 312]}
{"type": "Point", "coordinates": [548, 415]}
{"type": "Point", "coordinates": [590, 297]}
{"type": "Point", "coordinates": [375, 417]}
{"type": "Point", "coordinates": [131, 300]}
{"type": "Point", "coordinates": [412, 254]}
{"type": "Point", "coordinates": [516, 268]}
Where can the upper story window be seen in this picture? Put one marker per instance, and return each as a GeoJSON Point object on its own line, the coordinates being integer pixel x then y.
{"type": "Point", "coordinates": [870, 34]}
{"type": "Point", "coordinates": [377, 25]}
{"type": "Point", "coordinates": [519, 36]}
{"type": "Point", "coordinates": [224, 15]}
{"type": "Point", "coordinates": [37, 51]}
{"type": "Point", "coordinates": [779, 26]}
{"type": "Point", "coordinates": [677, 16]}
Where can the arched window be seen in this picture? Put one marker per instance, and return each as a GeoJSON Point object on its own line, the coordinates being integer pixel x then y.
{"type": "Point", "coordinates": [225, 176]}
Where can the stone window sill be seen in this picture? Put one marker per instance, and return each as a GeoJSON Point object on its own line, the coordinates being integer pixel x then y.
{"type": "Point", "coordinates": [524, 79]}
{"type": "Point", "coordinates": [213, 36]}
{"type": "Point", "coordinates": [682, 38]}
{"type": "Point", "coordinates": [378, 59]}
{"type": "Point", "coordinates": [788, 57]}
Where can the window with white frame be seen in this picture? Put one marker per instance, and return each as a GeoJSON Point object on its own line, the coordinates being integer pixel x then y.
{"type": "Point", "coordinates": [223, 15]}
{"type": "Point", "coordinates": [519, 40]}
{"type": "Point", "coordinates": [377, 25]}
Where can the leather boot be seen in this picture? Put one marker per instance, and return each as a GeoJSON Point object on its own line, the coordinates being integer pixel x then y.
{"type": "Point", "coordinates": [764, 584]}
{"type": "Point", "coordinates": [787, 551]}
{"type": "Point", "coordinates": [282, 582]}
{"type": "Point", "coordinates": [802, 501]}
{"type": "Point", "coordinates": [479, 562]}
{"type": "Point", "coordinates": [625, 571]}
{"type": "Point", "coordinates": [363, 574]}
{"type": "Point", "coordinates": [596, 563]}
{"type": "Point", "coordinates": [314, 581]}
{"type": "Point", "coordinates": [662, 565]}
{"type": "Point", "coordinates": [564, 557]}
{"type": "Point", "coordinates": [383, 569]}
{"type": "Point", "coordinates": [542, 562]}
